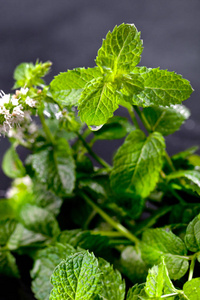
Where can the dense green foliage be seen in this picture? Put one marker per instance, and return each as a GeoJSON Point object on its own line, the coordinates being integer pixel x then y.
{"type": "Point", "coordinates": [95, 231]}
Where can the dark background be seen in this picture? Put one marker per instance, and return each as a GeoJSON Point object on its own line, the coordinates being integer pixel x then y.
{"type": "Point", "coordinates": [69, 33]}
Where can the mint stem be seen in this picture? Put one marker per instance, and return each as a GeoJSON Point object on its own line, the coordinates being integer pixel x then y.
{"type": "Point", "coordinates": [169, 295]}
{"type": "Point", "coordinates": [133, 117]}
{"type": "Point", "coordinates": [108, 233]}
{"type": "Point", "coordinates": [192, 265]}
{"type": "Point", "coordinates": [125, 232]}
{"type": "Point", "coordinates": [94, 155]}
{"type": "Point", "coordinates": [142, 118]}
{"type": "Point", "coordinates": [48, 134]}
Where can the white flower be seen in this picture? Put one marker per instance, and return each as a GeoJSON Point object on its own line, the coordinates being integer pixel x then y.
{"type": "Point", "coordinates": [30, 102]}
{"type": "Point", "coordinates": [23, 91]}
{"type": "Point", "coordinates": [4, 98]}
{"type": "Point", "coordinates": [14, 100]}
{"type": "Point", "coordinates": [18, 114]}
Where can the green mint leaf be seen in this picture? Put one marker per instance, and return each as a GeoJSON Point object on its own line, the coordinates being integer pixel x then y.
{"type": "Point", "coordinates": [137, 163]}
{"type": "Point", "coordinates": [116, 128]}
{"type": "Point", "coordinates": [131, 84]}
{"type": "Point", "coordinates": [184, 213]}
{"type": "Point", "coordinates": [84, 239]}
{"type": "Point", "coordinates": [137, 292]}
{"type": "Point", "coordinates": [55, 167]}
{"type": "Point", "coordinates": [66, 88]}
{"type": "Point", "coordinates": [6, 209]}
{"type": "Point", "coordinates": [8, 265]}
{"type": "Point", "coordinates": [192, 289]}
{"type": "Point", "coordinates": [45, 262]}
{"type": "Point", "coordinates": [76, 278]}
{"type": "Point", "coordinates": [121, 50]}
{"type": "Point", "coordinates": [28, 74]}
{"type": "Point", "coordinates": [192, 237]}
{"type": "Point", "coordinates": [129, 203]}
{"type": "Point", "coordinates": [186, 153]}
{"type": "Point", "coordinates": [194, 160]}
{"type": "Point", "coordinates": [7, 226]}
{"type": "Point", "coordinates": [158, 282]}
{"type": "Point", "coordinates": [192, 176]}
{"type": "Point", "coordinates": [22, 237]}
{"type": "Point", "coordinates": [39, 220]}
{"type": "Point", "coordinates": [97, 103]}
{"type": "Point", "coordinates": [12, 165]}
{"type": "Point", "coordinates": [46, 199]}
{"type": "Point", "coordinates": [161, 87]}
{"type": "Point", "coordinates": [132, 264]}
{"type": "Point", "coordinates": [157, 243]}
{"type": "Point", "coordinates": [113, 287]}
{"type": "Point", "coordinates": [166, 120]}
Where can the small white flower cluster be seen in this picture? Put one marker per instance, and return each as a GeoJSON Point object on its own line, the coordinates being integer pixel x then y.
{"type": "Point", "coordinates": [13, 113]}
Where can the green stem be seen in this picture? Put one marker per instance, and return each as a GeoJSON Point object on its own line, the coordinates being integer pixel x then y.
{"type": "Point", "coordinates": [46, 129]}
{"type": "Point", "coordinates": [133, 117]}
{"type": "Point", "coordinates": [94, 155]}
{"type": "Point", "coordinates": [119, 242]}
{"type": "Point", "coordinates": [192, 265]}
{"type": "Point", "coordinates": [142, 118]}
{"type": "Point", "coordinates": [169, 295]}
{"type": "Point", "coordinates": [108, 233]}
{"type": "Point", "coordinates": [169, 161]}
{"type": "Point", "coordinates": [89, 219]}
{"type": "Point", "coordinates": [125, 232]}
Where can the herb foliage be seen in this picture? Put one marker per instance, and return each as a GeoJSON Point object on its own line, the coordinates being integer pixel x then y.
{"type": "Point", "coordinates": [130, 230]}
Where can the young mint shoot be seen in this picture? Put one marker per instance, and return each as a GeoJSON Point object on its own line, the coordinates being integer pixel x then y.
{"type": "Point", "coordinates": [94, 230]}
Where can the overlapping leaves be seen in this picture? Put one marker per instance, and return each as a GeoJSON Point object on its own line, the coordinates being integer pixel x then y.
{"type": "Point", "coordinates": [99, 91]}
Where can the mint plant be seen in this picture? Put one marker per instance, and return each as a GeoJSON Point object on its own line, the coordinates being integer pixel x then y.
{"type": "Point", "coordinates": [129, 230]}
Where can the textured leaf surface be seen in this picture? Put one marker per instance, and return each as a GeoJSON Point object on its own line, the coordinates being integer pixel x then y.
{"type": "Point", "coordinates": [192, 289]}
{"type": "Point", "coordinates": [137, 163]}
{"type": "Point", "coordinates": [22, 237]}
{"type": "Point", "coordinates": [67, 87]}
{"type": "Point", "coordinates": [28, 74]}
{"type": "Point", "coordinates": [113, 287]}
{"type": "Point", "coordinates": [55, 167]}
{"type": "Point", "coordinates": [7, 227]}
{"type": "Point", "coordinates": [44, 265]}
{"type": "Point", "coordinates": [158, 282]}
{"type": "Point", "coordinates": [193, 177]}
{"type": "Point", "coordinates": [131, 84]}
{"type": "Point", "coordinates": [137, 292]}
{"type": "Point", "coordinates": [161, 87]}
{"type": "Point", "coordinates": [84, 239]}
{"type": "Point", "coordinates": [166, 120]}
{"type": "Point", "coordinates": [121, 50]}
{"type": "Point", "coordinates": [46, 199]}
{"type": "Point", "coordinates": [76, 278]}
{"type": "Point", "coordinates": [38, 220]}
{"type": "Point", "coordinates": [12, 165]}
{"type": "Point", "coordinates": [192, 237]}
{"type": "Point", "coordinates": [157, 243]}
{"type": "Point", "coordinates": [97, 103]}
{"type": "Point", "coordinates": [8, 265]}
{"type": "Point", "coordinates": [132, 264]}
